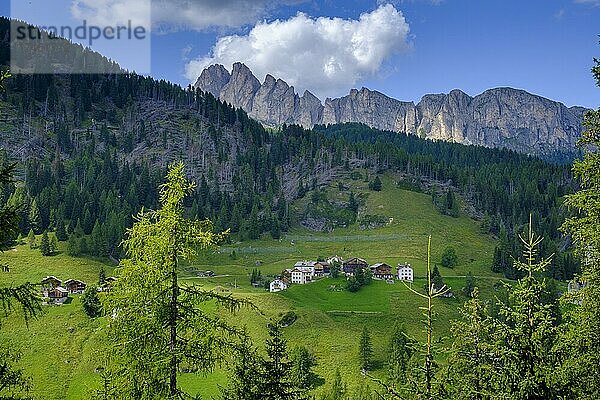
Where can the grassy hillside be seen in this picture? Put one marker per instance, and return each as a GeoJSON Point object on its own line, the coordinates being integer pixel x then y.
{"type": "Point", "coordinates": [59, 348]}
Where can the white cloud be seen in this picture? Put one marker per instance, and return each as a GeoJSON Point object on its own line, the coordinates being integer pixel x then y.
{"type": "Point", "coordinates": [590, 2]}
{"type": "Point", "coordinates": [168, 15]}
{"type": "Point", "coordinates": [324, 55]}
{"type": "Point", "coordinates": [112, 12]}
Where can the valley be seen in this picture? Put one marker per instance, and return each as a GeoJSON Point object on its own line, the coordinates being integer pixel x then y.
{"type": "Point", "coordinates": [329, 322]}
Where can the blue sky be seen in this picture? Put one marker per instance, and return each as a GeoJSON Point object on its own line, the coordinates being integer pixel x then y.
{"type": "Point", "coordinates": [405, 48]}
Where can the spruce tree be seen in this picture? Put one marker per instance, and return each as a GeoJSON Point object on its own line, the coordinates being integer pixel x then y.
{"type": "Point", "coordinates": [101, 276]}
{"type": "Point", "coordinates": [472, 365]}
{"type": "Point", "coordinates": [91, 302]}
{"type": "Point", "coordinates": [31, 239]}
{"type": "Point", "coordinates": [303, 362]}
{"type": "Point", "coordinates": [277, 382]}
{"type": "Point", "coordinates": [400, 352]}
{"type": "Point", "coordinates": [35, 220]}
{"type": "Point", "coordinates": [61, 233]}
{"type": "Point", "coordinates": [338, 388]}
{"type": "Point", "coordinates": [469, 287]}
{"type": "Point", "coordinates": [45, 248]}
{"type": "Point", "coordinates": [365, 349]}
{"type": "Point", "coordinates": [53, 244]}
{"type": "Point", "coordinates": [73, 248]}
{"type": "Point", "coordinates": [509, 354]}
{"type": "Point", "coordinates": [245, 378]}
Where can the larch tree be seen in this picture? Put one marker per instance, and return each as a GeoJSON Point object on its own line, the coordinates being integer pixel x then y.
{"type": "Point", "coordinates": [580, 341]}
{"type": "Point", "coordinates": [13, 384]}
{"type": "Point", "coordinates": [421, 380]}
{"type": "Point", "coordinates": [158, 325]}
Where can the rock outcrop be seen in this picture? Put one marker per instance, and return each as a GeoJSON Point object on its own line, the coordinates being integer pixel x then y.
{"type": "Point", "coordinates": [500, 117]}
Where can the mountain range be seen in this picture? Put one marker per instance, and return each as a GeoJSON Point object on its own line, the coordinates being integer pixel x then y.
{"type": "Point", "coordinates": [501, 117]}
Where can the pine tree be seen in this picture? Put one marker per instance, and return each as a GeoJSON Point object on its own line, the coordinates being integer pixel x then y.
{"type": "Point", "coordinates": [277, 382]}
{"type": "Point", "coordinates": [61, 233]}
{"type": "Point", "coordinates": [469, 287]}
{"type": "Point", "coordinates": [365, 349]}
{"type": "Point", "coordinates": [35, 220]}
{"type": "Point", "coordinates": [53, 244]}
{"type": "Point", "coordinates": [91, 302]}
{"type": "Point", "coordinates": [153, 304]}
{"type": "Point", "coordinates": [45, 245]}
{"type": "Point", "coordinates": [245, 378]}
{"type": "Point", "coordinates": [31, 239]}
{"type": "Point", "coordinates": [338, 388]}
{"type": "Point", "coordinates": [303, 362]}
{"type": "Point", "coordinates": [400, 352]}
{"type": "Point", "coordinates": [73, 248]}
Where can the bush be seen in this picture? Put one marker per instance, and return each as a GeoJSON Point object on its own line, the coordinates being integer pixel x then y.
{"type": "Point", "coordinates": [288, 319]}
{"type": "Point", "coordinates": [449, 258]}
{"type": "Point", "coordinates": [376, 185]}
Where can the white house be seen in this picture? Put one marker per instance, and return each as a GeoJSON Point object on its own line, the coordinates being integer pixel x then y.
{"type": "Point", "coordinates": [405, 272]}
{"type": "Point", "coordinates": [277, 286]}
{"type": "Point", "coordinates": [302, 275]}
{"type": "Point", "coordinates": [306, 266]}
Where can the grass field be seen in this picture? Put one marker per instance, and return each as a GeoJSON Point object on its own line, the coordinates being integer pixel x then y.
{"type": "Point", "coordinates": [59, 349]}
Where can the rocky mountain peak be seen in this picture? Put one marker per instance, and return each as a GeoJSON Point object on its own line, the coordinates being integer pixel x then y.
{"type": "Point", "coordinates": [498, 117]}
{"type": "Point", "coordinates": [213, 79]}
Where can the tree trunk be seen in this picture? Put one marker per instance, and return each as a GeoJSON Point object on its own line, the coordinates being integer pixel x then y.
{"type": "Point", "coordinates": [173, 327]}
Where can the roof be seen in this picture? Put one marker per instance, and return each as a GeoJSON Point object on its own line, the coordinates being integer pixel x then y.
{"type": "Point", "coordinates": [304, 270]}
{"type": "Point", "coordinates": [51, 278]}
{"type": "Point", "coordinates": [380, 265]}
{"type": "Point", "coordinates": [69, 281]}
{"type": "Point", "coordinates": [61, 289]}
{"type": "Point", "coordinates": [402, 266]}
{"type": "Point", "coordinates": [305, 264]}
{"type": "Point", "coordinates": [355, 260]}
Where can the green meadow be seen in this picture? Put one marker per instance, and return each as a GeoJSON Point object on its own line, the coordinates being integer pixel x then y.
{"type": "Point", "coordinates": [60, 348]}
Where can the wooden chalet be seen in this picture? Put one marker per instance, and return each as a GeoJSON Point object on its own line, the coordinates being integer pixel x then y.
{"type": "Point", "coordinates": [74, 286]}
{"type": "Point", "coordinates": [58, 295]}
{"type": "Point", "coordinates": [51, 282]}
{"type": "Point", "coordinates": [382, 271]}
{"type": "Point", "coordinates": [322, 268]}
{"type": "Point", "coordinates": [351, 265]}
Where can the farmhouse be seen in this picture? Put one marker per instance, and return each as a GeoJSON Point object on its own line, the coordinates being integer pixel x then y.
{"type": "Point", "coordinates": [302, 275]}
{"type": "Point", "coordinates": [75, 286]}
{"type": "Point", "coordinates": [321, 268]}
{"type": "Point", "coordinates": [57, 295]}
{"type": "Point", "coordinates": [405, 272]}
{"type": "Point", "coordinates": [51, 282]}
{"type": "Point", "coordinates": [277, 286]}
{"type": "Point", "coordinates": [351, 265]}
{"type": "Point", "coordinates": [382, 271]}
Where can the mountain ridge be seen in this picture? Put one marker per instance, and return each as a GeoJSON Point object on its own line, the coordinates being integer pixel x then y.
{"type": "Point", "coordinates": [501, 117]}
